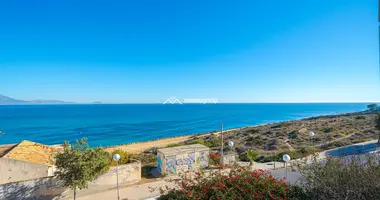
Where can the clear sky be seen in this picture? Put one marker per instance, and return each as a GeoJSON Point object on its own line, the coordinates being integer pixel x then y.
{"type": "Point", "coordinates": [146, 51]}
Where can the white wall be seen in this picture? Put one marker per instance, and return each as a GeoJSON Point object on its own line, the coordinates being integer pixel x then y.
{"type": "Point", "coordinates": [127, 173]}
{"type": "Point", "coordinates": [15, 170]}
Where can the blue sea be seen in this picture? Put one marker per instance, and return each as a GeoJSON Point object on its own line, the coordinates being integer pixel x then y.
{"type": "Point", "coordinates": [108, 125]}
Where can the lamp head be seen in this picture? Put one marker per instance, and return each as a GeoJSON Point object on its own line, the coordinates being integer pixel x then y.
{"type": "Point", "coordinates": [116, 157]}
{"type": "Point", "coordinates": [286, 158]}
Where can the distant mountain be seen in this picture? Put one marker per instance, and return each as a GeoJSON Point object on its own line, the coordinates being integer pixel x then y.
{"type": "Point", "coordinates": [8, 100]}
{"type": "Point", "coordinates": [4, 100]}
{"type": "Point", "coordinates": [42, 101]}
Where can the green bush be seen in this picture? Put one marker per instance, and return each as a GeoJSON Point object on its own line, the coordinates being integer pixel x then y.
{"type": "Point", "coordinates": [349, 178]}
{"type": "Point", "coordinates": [292, 135]}
{"type": "Point", "coordinates": [244, 157]}
{"type": "Point", "coordinates": [214, 159]}
{"type": "Point", "coordinates": [200, 141]}
{"type": "Point", "coordinates": [175, 145]}
{"type": "Point", "coordinates": [124, 157]}
{"type": "Point", "coordinates": [296, 192]}
{"type": "Point", "coordinates": [147, 158]}
{"type": "Point", "coordinates": [360, 117]}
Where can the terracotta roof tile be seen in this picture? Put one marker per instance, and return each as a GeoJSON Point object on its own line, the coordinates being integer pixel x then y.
{"type": "Point", "coordinates": [32, 152]}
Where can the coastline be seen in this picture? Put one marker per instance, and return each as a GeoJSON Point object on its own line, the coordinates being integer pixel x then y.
{"type": "Point", "coordinates": [139, 147]}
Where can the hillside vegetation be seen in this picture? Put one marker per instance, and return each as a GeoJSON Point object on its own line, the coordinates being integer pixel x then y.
{"type": "Point", "coordinates": [272, 139]}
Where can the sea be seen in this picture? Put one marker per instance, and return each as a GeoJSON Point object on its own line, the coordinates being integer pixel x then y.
{"type": "Point", "coordinates": [115, 124]}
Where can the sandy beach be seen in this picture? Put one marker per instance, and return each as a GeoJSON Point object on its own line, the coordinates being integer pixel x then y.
{"type": "Point", "coordinates": [160, 143]}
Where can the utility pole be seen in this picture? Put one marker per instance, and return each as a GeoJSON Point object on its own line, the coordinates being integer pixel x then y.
{"type": "Point", "coordinates": [221, 151]}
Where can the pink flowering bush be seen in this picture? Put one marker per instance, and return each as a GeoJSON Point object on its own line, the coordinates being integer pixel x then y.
{"type": "Point", "coordinates": [234, 183]}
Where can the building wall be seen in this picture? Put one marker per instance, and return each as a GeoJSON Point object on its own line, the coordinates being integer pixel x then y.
{"type": "Point", "coordinates": [182, 162]}
{"type": "Point", "coordinates": [15, 170]}
{"type": "Point", "coordinates": [41, 189]}
{"type": "Point", "coordinates": [161, 166]}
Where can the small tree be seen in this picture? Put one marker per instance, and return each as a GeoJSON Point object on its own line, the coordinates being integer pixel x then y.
{"type": "Point", "coordinates": [372, 107]}
{"type": "Point", "coordinates": [252, 156]}
{"type": "Point", "coordinates": [77, 165]}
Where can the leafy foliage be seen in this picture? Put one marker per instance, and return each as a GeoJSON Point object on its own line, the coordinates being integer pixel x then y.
{"type": "Point", "coordinates": [214, 159]}
{"type": "Point", "coordinates": [377, 121]}
{"type": "Point", "coordinates": [175, 145]}
{"type": "Point", "coordinates": [252, 156]}
{"type": "Point", "coordinates": [124, 157]}
{"type": "Point", "coordinates": [202, 142]}
{"type": "Point", "coordinates": [77, 165]}
{"type": "Point", "coordinates": [348, 178]}
{"type": "Point", "coordinates": [144, 158]}
{"type": "Point", "coordinates": [372, 107]}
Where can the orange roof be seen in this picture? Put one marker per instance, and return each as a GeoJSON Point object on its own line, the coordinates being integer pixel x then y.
{"type": "Point", "coordinates": [32, 152]}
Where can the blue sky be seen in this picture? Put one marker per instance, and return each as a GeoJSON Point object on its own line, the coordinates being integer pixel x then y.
{"type": "Point", "coordinates": [146, 51]}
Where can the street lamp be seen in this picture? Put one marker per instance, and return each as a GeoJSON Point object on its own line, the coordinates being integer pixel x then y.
{"type": "Point", "coordinates": [221, 151]}
{"type": "Point", "coordinates": [116, 157]}
{"type": "Point", "coordinates": [311, 134]}
{"type": "Point", "coordinates": [286, 158]}
{"type": "Point", "coordinates": [231, 144]}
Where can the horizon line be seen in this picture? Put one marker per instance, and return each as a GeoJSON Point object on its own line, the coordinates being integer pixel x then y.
{"type": "Point", "coordinates": [258, 102]}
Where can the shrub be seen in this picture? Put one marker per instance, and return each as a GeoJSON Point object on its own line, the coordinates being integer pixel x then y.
{"type": "Point", "coordinates": [252, 156]}
{"type": "Point", "coordinates": [214, 159]}
{"type": "Point", "coordinates": [147, 158]}
{"type": "Point", "coordinates": [174, 145]}
{"type": "Point", "coordinates": [215, 142]}
{"type": "Point", "coordinates": [244, 157]}
{"type": "Point", "coordinates": [292, 135]}
{"type": "Point", "coordinates": [372, 107]}
{"type": "Point", "coordinates": [360, 117]}
{"type": "Point", "coordinates": [124, 157]}
{"type": "Point", "coordinates": [200, 141]}
{"type": "Point", "coordinates": [351, 178]}
{"type": "Point", "coordinates": [238, 183]}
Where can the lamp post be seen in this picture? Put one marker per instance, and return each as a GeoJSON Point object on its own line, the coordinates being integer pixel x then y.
{"type": "Point", "coordinates": [231, 145]}
{"type": "Point", "coordinates": [286, 158]}
{"type": "Point", "coordinates": [221, 151]}
{"type": "Point", "coordinates": [311, 134]}
{"type": "Point", "coordinates": [116, 157]}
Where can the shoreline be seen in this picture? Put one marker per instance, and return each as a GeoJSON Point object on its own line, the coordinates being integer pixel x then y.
{"type": "Point", "coordinates": [139, 147]}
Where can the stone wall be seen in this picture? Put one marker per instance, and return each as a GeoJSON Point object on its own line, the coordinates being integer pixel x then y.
{"type": "Point", "coordinates": [48, 188]}
{"type": "Point", "coordinates": [16, 170]}
{"type": "Point", "coordinates": [41, 189]}
{"type": "Point", "coordinates": [127, 173]}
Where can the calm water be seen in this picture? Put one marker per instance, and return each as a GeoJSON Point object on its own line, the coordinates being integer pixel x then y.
{"type": "Point", "coordinates": [119, 124]}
